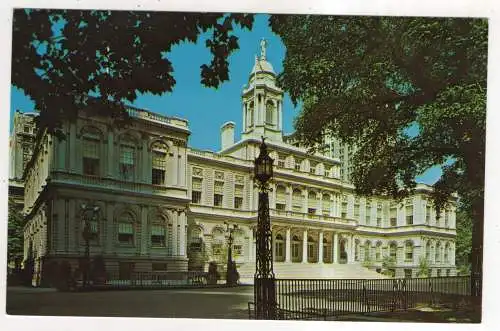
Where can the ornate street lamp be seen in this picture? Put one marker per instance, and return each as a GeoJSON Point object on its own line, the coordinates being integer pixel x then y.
{"type": "Point", "coordinates": [230, 270]}
{"type": "Point", "coordinates": [264, 282]}
{"type": "Point", "coordinates": [87, 236]}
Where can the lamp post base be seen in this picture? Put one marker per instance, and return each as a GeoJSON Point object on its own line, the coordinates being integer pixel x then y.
{"type": "Point", "coordinates": [265, 298]}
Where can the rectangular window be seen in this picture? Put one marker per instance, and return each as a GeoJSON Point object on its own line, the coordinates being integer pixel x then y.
{"type": "Point", "coordinates": [393, 216]}
{"type": "Point", "coordinates": [126, 233]}
{"type": "Point", "coordinates": [158, 236]}
{"type": "Point", "coordinates": [196, 197]}
{"type": "Point", "coordinates": [218, 200]}
{"type": "Point", "coordinates": [297, 165]}
{"type": "Point", "coordinates": [218, 193]}
{"type": "Point", "coordinates": [311, 211]}
{"type": "Point", "coordinates": [238, 202]}
{"type": "Point", "coordinates": [409, 215]}
{"type": "Point", "coordinates": [127, 163]}
{"type": "Point", "coordinates": [158, 168]}
{"type": "Point", "coordinates": [439, 272]}
{"type": "Point", "coordinates": [327, 172]}
{"type": "Point", "coordinates": [196, 190]}
{"type": "Point", "coordinates": [91, 157]}
{"type": "Point", "coordinates": [407, 273]}
{"type": "Point", "coordinates": [26, 129]}
{"type": "Point", "coordinates": [312, 170]}
{"type": "Point", "coordinates": [379, 221]}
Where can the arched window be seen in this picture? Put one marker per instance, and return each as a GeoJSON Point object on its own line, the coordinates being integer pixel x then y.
{"type": "Point", "coordinates": [437, 256]}
{"type": "Point", "coordinates": [250, 114]}
{"type": "Point", "coordinates": [159, 163]}
{"type": "Point", "coordinates": [378, 251]}
{"type": "Point", "coordinates": [218, 242]}
{"type": "Point", "coordinates": [159, 233]}
{"type": "Point", "coordinates": [393, 249]}
{"type": "Point", "coordinates": [270, 112]}
{"type": "Point", "coordinates": [195, 240]}
{"type": "Point", "coordinates": [91, 151]}
{"type": "Point", "coordinates": [280, 197]}
{"type": "Point", "coordinates": [326, 203]}
{"type": "Point", "coordinates": [368, 245]}
{"type": "Point", "coordinates": [297, 200]}
{"type": "Point", "coordinates": [409, 251]}
{"type": "Point", "coordinates": [126, 229]}
{"type": "Point", "coordinates": [312, 203]}
{"type": "Point", "coordinates": [128, 159]}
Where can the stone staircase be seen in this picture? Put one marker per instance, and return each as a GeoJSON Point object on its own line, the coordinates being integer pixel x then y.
{"type": "Point", "coordinates": [285, 270]}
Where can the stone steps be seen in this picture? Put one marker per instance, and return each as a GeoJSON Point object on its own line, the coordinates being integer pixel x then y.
{"type": "Point", "coordinates": [311, 271]}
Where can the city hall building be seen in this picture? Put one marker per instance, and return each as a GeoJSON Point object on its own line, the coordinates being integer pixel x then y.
{"type": "Point", "coordinates": [166, 206]}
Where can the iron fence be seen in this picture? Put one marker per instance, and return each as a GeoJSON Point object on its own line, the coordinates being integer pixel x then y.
{"type": "Point", "coordinates": [327, 298]}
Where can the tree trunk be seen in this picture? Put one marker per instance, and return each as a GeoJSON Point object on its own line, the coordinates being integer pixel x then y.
{"type": "Point", "coordinates": [477, 256]}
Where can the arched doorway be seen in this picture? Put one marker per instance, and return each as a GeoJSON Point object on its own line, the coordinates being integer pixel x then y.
{"type": "Point", "coordinates": [312, 250]}
{"type": "Point", "coordinates": [343, 256]}
{"type": "Point", "coordinates": [296, 249]}
{"type": "Point", "coordinates": [279, 248]}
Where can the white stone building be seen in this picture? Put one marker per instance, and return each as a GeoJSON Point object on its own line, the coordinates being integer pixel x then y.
{"type": "Point", "coordinates": [164, 206]}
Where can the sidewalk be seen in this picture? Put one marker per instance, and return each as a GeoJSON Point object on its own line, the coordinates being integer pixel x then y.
{"type": "Point", "coordinates": [413, 315]}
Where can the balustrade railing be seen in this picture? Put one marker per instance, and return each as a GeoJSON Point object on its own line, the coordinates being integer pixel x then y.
{"type": "Point", "coordinates": [107, 182]}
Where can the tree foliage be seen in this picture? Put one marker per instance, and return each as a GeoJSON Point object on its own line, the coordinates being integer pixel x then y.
{"type": "Point", "coordinates": [15, 238]}
{"type": "Point", "coordinates": [408, 93]}
{"type": "Point", "coordinates": [61, 57]}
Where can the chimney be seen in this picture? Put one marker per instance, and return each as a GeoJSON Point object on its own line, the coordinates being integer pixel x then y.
{"type": "Point", "coordinates": [227, 135]}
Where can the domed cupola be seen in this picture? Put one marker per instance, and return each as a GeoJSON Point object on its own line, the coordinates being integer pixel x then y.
{"type": "Point", "coordinates": [262, 101]}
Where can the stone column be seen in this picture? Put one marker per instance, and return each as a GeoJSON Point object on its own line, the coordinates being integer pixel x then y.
{"type": "Point", "coordinates": [304, 247]}
{"type": "Point", "coordinates": [175, 223]}
{"type": "Point", "coordinates": [244, 118]}
{"type": "Point", "coordinates": [288, 246]}
{"type": "Point", "coordinates": [320, 248]}
{"type": "Point", "coordinates": [182, 239]}
{"type": "Point", "coordinates": [144, 230]}
{"type": "Point", "coordinates": [335, 248]}
{"type": "Point", "coordinates": [350, 241]}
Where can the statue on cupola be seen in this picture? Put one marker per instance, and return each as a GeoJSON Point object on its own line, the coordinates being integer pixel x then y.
{"type": "Point", "coordinates": [262, 101]}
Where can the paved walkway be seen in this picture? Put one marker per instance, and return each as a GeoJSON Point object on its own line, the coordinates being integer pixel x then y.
{"type": "Point", "coordinates": [188, 303]}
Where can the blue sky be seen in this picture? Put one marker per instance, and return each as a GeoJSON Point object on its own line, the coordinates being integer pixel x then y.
{"type": "Point", "coordinates": [207, 109]}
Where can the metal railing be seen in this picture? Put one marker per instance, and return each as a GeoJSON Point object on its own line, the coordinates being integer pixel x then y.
{"type": "Point", "coordinates": [154, 279]}
{"type": "Point", "coordinates": [327, 298]}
